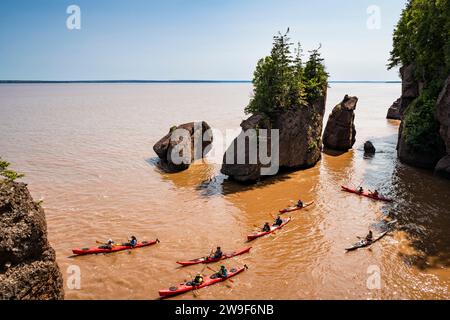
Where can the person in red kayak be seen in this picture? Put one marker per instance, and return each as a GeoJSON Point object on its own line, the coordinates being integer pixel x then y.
{"type": "Point", "coordinates": [108, 245]}
{"type": "Point", "coordinates": [375, 193]}
{"type": "Point", "coordinates": [300, 203]}
{"type": "Point", "coordinates": [360, 190]}
{"type": "Point", "coordinates": [131, 243]}
{"type": "Point", "coordinates": [198, 280]}
{"type": "Point", "coordinates": [278, 222]}
{"type": "Point", "coordinates": [223, 273]}
{"type": "Point", "coordinates": [218, 254]}
{"type": "Point", "coordinates": [266, 227]}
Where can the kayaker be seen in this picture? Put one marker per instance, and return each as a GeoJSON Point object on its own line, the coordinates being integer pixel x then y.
{"type": "Point", "coordinates": [218, 254]}
{"type": "Point", "coordinates": [223, 273]}
{"type": "Point", "coordinates": [266, 227]}
{"type": "Point", "coordinates": [198, 280]}
{"type": "Point", "coordinates": [369, 237]}
{"type": "Point", "coordinates": [300, 204]}
{"type": "Point", "coordinates": [278, 222]}
{"type": "Point", "coordinates": [108, 245]}
{"type": "Point", "coordinates": [360, 190]}
{"type": "Point", "coordinates": [132, 242]}
{"type": "Point", "coordinates": [375, 193]}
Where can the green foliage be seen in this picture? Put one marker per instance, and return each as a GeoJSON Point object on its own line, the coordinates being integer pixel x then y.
{"type": "Point", "coordinates": [422, 38]}
{"type": "Point", "coordinates": [312, 146]}
{"type": "Point", "coordinates": [3, 165]}
{"type": "Point", "coordinates": [283, 81]}
{"type": "Point", "coordinates": [7, 174]}
{"type": "Point", "coordinates": [316, 78]}
{"type": "Point", "coordinates": [420, 129]}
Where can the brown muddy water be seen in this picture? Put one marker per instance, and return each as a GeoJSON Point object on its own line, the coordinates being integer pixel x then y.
{"type": "Point", "coordinates": [86, 149]}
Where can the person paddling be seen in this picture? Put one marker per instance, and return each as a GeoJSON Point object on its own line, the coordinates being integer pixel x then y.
{"type": "Point", "coordinates": [278, 222]}
{"type": "Point", "coordinates": [198, 280]}
{"type": "Point", "coordinates": [223, 273]}
{"type": "Point", "coordinates": [375, 193]}
{"type": "Point", "coordinates": [108, 245]}
{"type": "Point", "coordinates": [266, 227]}
{"type": "Point", "coordinates": [360, 190]}
{"type": "Point", "coordinates": [131, 243]}
{"type": "Point", "coordinates": [218, 254]}
{"type": "Point", "coordinates": [369, 237]}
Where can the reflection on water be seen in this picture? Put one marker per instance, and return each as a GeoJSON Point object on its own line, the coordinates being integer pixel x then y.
{"type": "Point", "coordinates": [87, 150]}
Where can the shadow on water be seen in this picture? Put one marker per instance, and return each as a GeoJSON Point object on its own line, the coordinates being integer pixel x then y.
{"type": "Point", "coordinates": [161, 166]}
{"type": "Point", "coordinates": [222, 185]}
{"type": "Point", "coordinates": [333, 153]}
{"type": "Point", "coordinates": [422, 208]}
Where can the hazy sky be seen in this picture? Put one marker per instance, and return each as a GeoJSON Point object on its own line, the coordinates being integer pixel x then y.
{"type": "Point", "coordinates": [189, 39]}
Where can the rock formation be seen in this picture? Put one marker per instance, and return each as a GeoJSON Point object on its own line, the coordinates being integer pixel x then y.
{"type": "Point", "coordinates": [198, 138]}
{"type": "Point", "coordinates": [411, 89]}
{"type": "Point", "coordinates": [340, 133]}
{"type": "Point", "coordinates": [299, 141]}
{"type": "Point", "coordinates": [443, 116]}
{"type": "Point", "coordinates": [369, 148]}
{"type": "Point", "coordinates": [28, 269]}
{"type": "Point", "coordinates": [394, 110]}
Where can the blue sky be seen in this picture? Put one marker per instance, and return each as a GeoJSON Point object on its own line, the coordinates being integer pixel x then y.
{"type": "Point", "coordinates": [188, 39]}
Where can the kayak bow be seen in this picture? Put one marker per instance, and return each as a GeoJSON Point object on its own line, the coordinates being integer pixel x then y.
{"type": "Point", "coordinates": [96, 250]}
{"type": "Point", "coordinates": [272, 229]}
{"type": "Point", "coordinates": [211, 260]}
{"type": "Point", "coordinates": [209, 280]}
{"type": "Point", "coordinates": [366, 194]}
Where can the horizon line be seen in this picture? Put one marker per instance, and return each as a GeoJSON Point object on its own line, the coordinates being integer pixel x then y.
{"type": "Point", "coordinates": [172, 81]}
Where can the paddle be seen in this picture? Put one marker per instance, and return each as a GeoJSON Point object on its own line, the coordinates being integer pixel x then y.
{"type": "Point", "coordinates": [104, 243]}
{"type": "Point", "coordinates": [257, 227]}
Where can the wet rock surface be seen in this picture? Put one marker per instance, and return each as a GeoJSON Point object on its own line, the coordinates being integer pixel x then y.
{"type": "Point", "coordinates": [28, 269]}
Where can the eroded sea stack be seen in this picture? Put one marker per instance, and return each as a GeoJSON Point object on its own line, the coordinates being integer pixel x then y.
{"type": "Point", "coordinates": [340, 132]}
{"type": "Point", "coordinates": [394, 110]}
{"type": "Point", "coordinates": [300, 142]}
{"type": "Point", "coordinates": [175, 143]}
{"type": "Point", "coordinates": [28, 268]}
{"type": "Point", "coordinates": [287, 108]}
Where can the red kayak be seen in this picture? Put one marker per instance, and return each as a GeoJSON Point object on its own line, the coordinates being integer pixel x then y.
{"type": "Point", "coordinates": [295, 208]}
{"type": "Point", "coordinates": [95, 250]}
{"type": "Point", "coordinates": [209, 280]}
{"type": "Point", "coordinates": [272, 229]}
{"type": "Point", "coordinates": [366, 194]}
{"type": "Point", "coordinates": [211, 260]}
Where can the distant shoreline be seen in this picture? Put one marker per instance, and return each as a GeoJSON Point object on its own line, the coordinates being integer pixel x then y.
{"type": "Point", "coordinates": [165, 81]}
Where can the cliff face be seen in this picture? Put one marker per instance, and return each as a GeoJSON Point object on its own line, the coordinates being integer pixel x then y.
{"type": "Point", "coordinates": [407, 153]}
{"type": "Point", "coordinates": [28, 269]}
{"type": "Point", "coordinates": [443, 116]}
{"type": "Point", "coordinates": [300, 141]}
